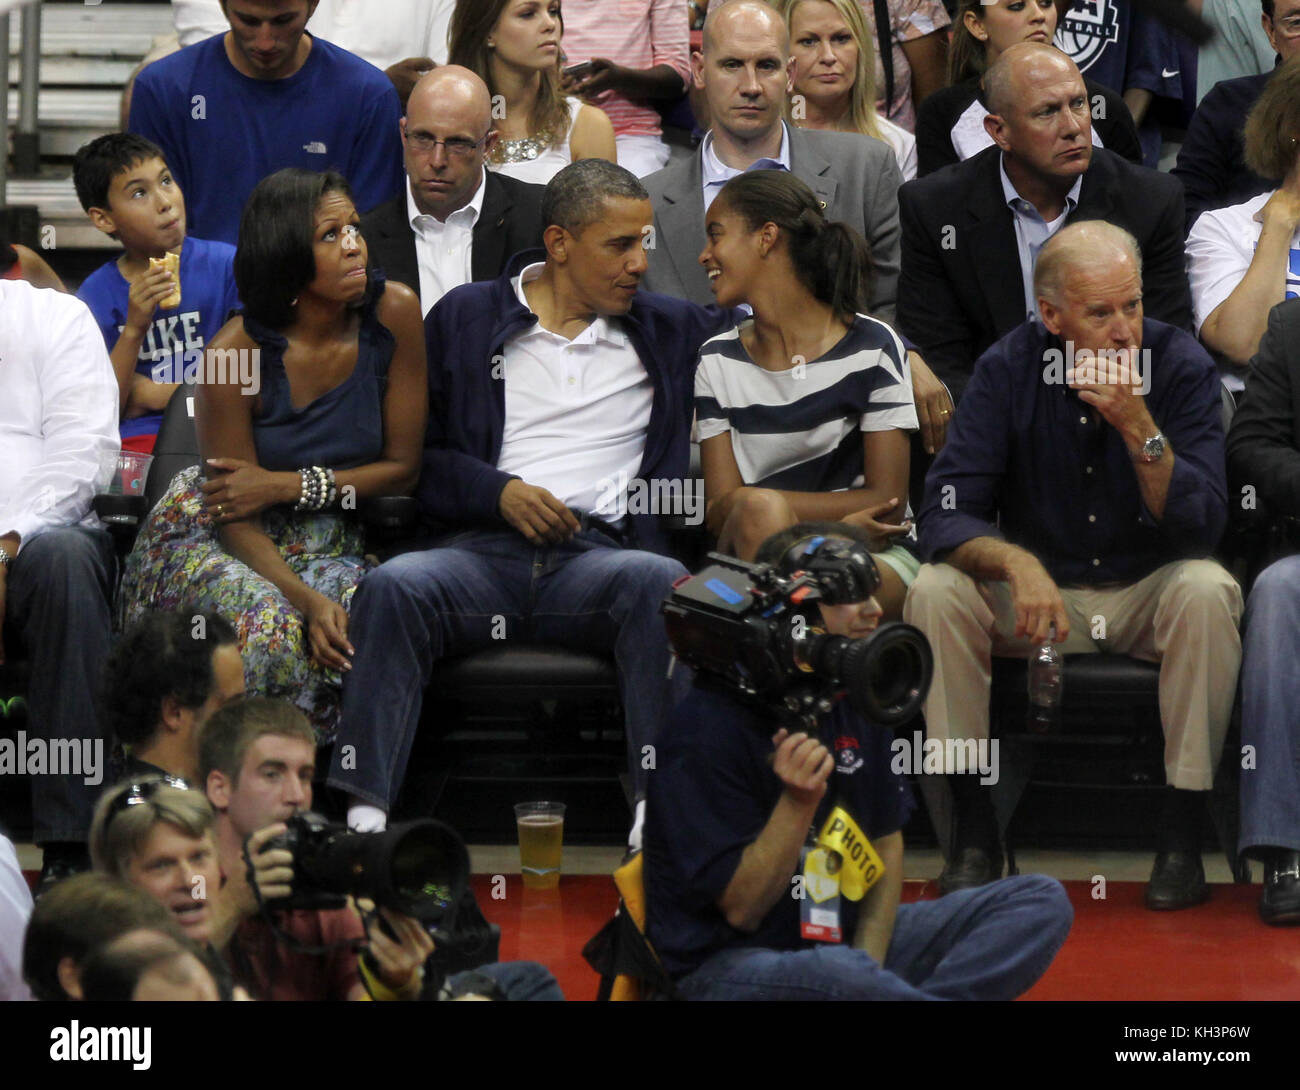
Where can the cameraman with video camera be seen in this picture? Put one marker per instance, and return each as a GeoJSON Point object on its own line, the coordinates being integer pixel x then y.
{"type": "Point", "coordinates": [764, 755]}
{"type": "Point", "coordinates": [256, 759]}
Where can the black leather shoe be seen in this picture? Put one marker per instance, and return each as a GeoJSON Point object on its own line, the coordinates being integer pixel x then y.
{"type": "Point", "coordinates": [1279, 904]}
{"type": "Point", "coordinates": [61, 861]}
{"type": "Point", "coordinates": [1177, 881]}
{"type": "Point", "coordinates": [970, 867]}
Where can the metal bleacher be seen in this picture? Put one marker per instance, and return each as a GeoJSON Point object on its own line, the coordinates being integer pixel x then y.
{"type": "Point", "coordinates": [87, 53]}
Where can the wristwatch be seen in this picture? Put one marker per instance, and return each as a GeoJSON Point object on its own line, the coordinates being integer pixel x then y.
{"type": "Point", "coordinates": [1152, 450]}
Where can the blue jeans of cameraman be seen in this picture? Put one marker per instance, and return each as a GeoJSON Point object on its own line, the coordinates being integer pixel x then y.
{"type": "Point", "coordinates": [476, 590]}
{"type": "Point", "coordinates": [991, 942]}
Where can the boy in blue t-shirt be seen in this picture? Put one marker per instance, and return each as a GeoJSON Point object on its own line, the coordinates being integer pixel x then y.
{"type": "Point", "coordinates": [128, 192]}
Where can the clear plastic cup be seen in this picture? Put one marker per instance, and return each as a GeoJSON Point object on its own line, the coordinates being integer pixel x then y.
{"type": "Point", "coordinates": [541, 842]}
{"type": "Point", "coordinates": [131, 474]}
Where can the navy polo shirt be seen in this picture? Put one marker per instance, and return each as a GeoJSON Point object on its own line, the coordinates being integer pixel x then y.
{"type": "Point", "coordinates": [1027, 461]}
{"type": "Point", "coordinates": [711, 794]}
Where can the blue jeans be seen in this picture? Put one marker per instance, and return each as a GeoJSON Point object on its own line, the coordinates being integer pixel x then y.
{"type": "Point", "coordinates": [1270, 791]}
{"type": "Point", "coordinates": [991, 942]}
{"type": "Point", "coordinates": [58, 592]}
{"type": "Point", "coordinates": [474, 590]}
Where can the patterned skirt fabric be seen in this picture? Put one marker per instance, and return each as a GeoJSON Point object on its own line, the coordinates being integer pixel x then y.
{"type": "Point", "coordinates": [178, 563]}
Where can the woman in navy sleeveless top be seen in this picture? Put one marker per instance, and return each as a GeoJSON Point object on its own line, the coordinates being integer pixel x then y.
{"type": "Point", "coordinates": [310, 401]}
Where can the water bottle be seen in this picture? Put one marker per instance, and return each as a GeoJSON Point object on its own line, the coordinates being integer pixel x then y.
{"type": "Point", "coordinates": [1045, 684]}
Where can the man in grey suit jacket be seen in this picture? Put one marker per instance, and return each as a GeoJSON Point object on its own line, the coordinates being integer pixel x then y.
{"type": "Point", "coordinates": [745, 73]}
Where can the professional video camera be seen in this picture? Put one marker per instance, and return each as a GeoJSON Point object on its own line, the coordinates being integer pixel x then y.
{"type": "Point", "coordinates": [756, 630]}
{"type": "Point", "coordinates": [418, 868]}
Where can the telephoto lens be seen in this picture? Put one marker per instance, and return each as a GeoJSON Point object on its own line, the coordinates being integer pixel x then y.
{"type": "Point", "coordinates": [418, 868]}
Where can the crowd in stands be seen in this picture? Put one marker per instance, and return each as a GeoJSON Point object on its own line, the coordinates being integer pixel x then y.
{"type": "Point", "coordinates": [445, 250]}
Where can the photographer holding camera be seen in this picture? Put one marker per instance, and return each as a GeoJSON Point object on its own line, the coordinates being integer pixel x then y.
{"type": "Point", "coordinates": [256, 759]}
{"type": "Point", "coordinates": [747, 776]}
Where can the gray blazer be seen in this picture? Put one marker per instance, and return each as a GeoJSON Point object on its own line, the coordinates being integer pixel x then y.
{"type": "Point", "coordinates": [856, 176]}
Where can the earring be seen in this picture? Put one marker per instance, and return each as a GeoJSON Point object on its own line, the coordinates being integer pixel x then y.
{"type": "Point", "coordinates": [294, 303]}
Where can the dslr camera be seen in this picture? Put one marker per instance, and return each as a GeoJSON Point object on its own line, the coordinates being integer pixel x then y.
{"type": "Point", "coordinates": [755, 630]}
{"type": "Point", "coordinates": [418, 868]}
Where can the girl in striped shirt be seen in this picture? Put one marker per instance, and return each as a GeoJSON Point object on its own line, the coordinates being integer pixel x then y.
{"type": "Point", "coordinates": [802, 411]}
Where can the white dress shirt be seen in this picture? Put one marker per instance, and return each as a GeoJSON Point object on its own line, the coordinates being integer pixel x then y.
{"type": "Point", "coordinates": [716, 173]}
{"type": "Point", "coordinates": [58, 411]}
{"type": "Point", "coordinates": [15, 911]}
{"type": "Point", "coordinates": [382, 32]}
{"type": "Point", "coordinates": [577, 411]}
{"type": "Point", "coordinates": [444, 248]}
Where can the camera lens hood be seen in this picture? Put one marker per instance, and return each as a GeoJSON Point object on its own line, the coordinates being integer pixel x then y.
{"type": "Point", "coordinates": [888, 674]}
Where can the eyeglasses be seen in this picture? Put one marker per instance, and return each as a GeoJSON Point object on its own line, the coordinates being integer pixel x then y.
{"type": "Point", "coordinates": [1289, 27]}
{"type": "Point", "coordinates": [143, 791]}
{"type": "Point", "coordinates": [457, 146]}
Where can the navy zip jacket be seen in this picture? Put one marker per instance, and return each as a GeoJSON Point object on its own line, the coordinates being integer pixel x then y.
{"type": "Point", "coordinates": [465, 336]}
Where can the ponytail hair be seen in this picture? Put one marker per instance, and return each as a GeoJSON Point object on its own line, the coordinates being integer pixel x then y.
{"type": "Point", "coordinates": [831, 260]}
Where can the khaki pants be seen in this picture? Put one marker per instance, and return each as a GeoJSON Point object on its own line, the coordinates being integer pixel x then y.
{"type": "Point", "coordinates": [1183, 616]}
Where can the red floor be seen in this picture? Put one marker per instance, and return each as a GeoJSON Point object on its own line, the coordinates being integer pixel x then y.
{"type": "Point", "coordinates": [1117, 949]}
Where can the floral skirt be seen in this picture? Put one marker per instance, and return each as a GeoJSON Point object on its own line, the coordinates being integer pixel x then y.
{"type": "Point", "coordinates": [178, 563]}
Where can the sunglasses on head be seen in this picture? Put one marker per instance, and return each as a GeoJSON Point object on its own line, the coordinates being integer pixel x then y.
{"type": "Point", "coordinates": [143, 791]}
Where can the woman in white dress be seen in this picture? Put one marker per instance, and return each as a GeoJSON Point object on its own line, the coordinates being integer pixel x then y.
{"type": "Point", "coordinates": [1245, 259]}
{"type": "Point", "coordinates": [514, 45]}
{"type": "Point", "coordinates": [834, 83]}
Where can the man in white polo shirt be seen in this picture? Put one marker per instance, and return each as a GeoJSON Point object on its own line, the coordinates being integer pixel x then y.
{"type": "Point", "coordinates": [58, 445]}
{"type": "Point", "coordinates": [557, 392]}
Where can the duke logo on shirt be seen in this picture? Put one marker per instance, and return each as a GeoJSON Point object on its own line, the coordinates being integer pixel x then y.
{"type": "Point", "coordinates": [847, 758]}
{"type": "Point", "coordinates": [168, 336]}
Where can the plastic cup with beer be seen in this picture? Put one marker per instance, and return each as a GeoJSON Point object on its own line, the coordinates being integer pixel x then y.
{"type": "Point", "coordinates": [541, 842]}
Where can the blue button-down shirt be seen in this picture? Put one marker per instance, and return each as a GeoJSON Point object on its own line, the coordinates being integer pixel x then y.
{"type": "Point", "coordinates": [716, 173]}
{"type": "Point", "coordinates": [1029, 462]}
{"type": "Point", "coordinates": [1032, 231]}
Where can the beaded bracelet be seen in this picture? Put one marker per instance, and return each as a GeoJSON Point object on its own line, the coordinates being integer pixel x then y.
{"type": "Point", "coordinates": [318, 489]}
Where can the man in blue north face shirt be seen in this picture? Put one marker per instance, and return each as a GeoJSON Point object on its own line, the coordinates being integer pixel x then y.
{"type": "Point", "coordinates": [230, 110]}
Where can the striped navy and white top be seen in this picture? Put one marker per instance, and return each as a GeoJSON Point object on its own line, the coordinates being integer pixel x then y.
{"type": "Point", "coordinates": [801, 429]}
